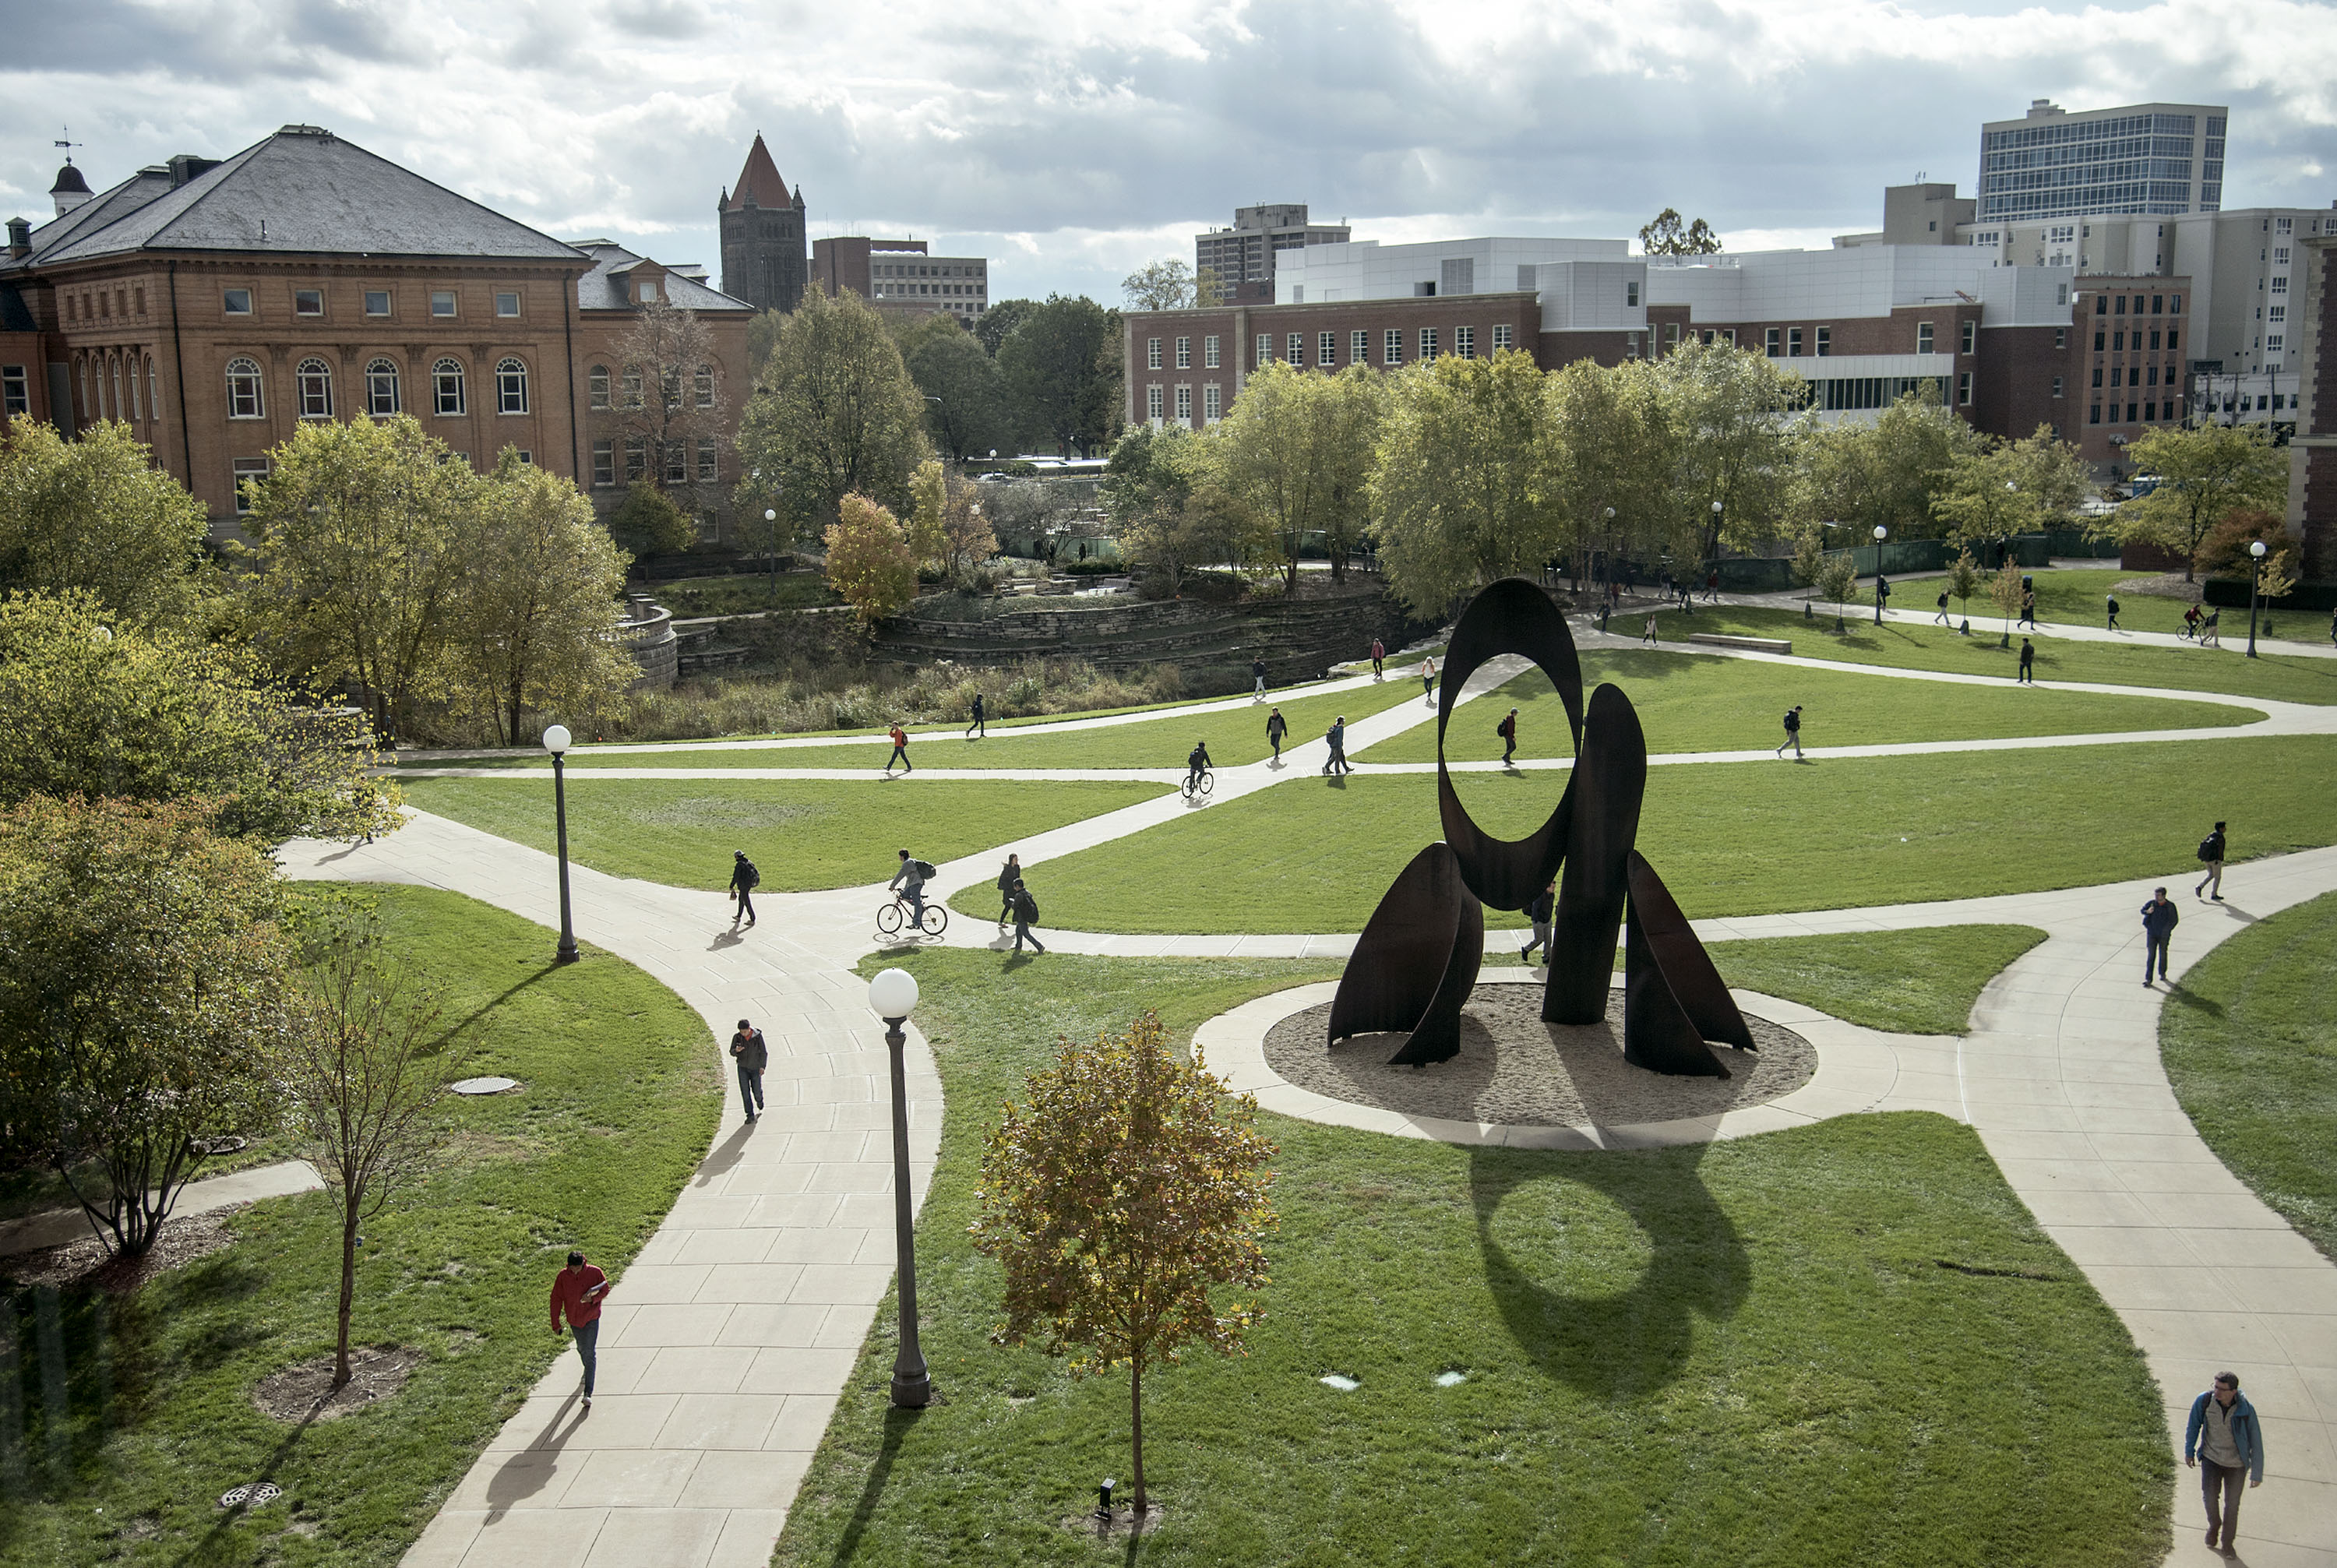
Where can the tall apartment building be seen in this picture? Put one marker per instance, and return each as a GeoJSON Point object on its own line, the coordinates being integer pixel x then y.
{"type": "Point", "coordinates": [1244, 256]}
{"type": "Point", "coordinates": [2162, 159]}
{"type": "Point", "coordinates": [762, 228]}
{"type": "Point", "coordinates": [900, 275]}
{"type": "Point", "coordinates": [2312, 453]}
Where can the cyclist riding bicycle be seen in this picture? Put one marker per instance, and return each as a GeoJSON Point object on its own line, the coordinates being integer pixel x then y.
{"type": "Point", "coordinates": [2191, 618]}
{"type": "Point", "coordinates": [909, 881]}
{"type": "Point", "coordinates": [1197, 765]}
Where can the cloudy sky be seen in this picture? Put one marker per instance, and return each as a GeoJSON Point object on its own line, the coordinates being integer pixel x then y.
{"type": "Point", "coordinates": [1072, 143]}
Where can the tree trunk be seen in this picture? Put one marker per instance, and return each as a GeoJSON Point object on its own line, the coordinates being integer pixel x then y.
{"type": "Point", "coordinates": [1136, 1429]}
{"type": "Point", "coordinates": [352, 1198]}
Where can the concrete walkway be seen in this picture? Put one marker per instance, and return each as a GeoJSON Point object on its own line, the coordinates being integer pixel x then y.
{"type": "Point", "coordinates": [55, 1227]}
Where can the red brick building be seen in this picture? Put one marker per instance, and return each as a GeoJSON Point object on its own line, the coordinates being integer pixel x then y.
{"type": "Point", "coordinates": [214, 305]}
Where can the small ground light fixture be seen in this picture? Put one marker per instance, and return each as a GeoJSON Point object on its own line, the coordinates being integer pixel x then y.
{"type": "Point", "coordinates": [1103, 1499]}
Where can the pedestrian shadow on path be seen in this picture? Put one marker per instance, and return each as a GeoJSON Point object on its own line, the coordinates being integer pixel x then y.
{"type": "Point", "coordinates": [523, 1474]}
{"type": "Point", "coordinates": [725, 940]}
{"type": "Point", "coordinates": [724, 1155]}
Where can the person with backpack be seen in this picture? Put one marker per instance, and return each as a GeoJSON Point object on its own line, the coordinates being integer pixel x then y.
{"type": "Point", "coordinates": [1337, 735]}
{"type": "Point", "coordinates": [1008, 875]}
{"type": "Point", "coordinates": [1197, 762]}
{"type": "Point", "coordinates": [1792, 732]}
{"type": "Point", "coordinates": [979, 729]}
{"type": "Point", "coordinates": [1026, 915]}
{"type": "Point", "coordinates": [2211, 635]}
{"type": "Point", "coordinates": [1539, 912]}
{"type": "Point", "coordinates": [2211, 855]}
{"type": "Point", "coordinates": [2223, 1442]}
{"type": "Point", "coordinates": [2028, 609]}
{"type": "Point", "coordinates": [909, 881]}
{"type": "Point", "coordinates": [2190, 623]}
{"type": "Point", "coordinates": [752, 1052]}
{"type": "Point", "coordinates": [1507, 731]}
{"type": "Point", "coordinates": [1257, 675]}
{"type": "Point", "coordinates": [2109, 602]}
{"type": "Point", "coordinates": [1276, 726]}
{"type": "Point", "coordinates": [744, 879]}
{"type": "Point", "coordinates": [1941, 618]}
{"type": "Point", "coordinates": [900, 751]}
{"type": "Point", "coordinates": [1379, 656]}
{"type": "Point", "coordinates": [2158, 921]}
{"type": "Point", "coordinates": [2028, 676]}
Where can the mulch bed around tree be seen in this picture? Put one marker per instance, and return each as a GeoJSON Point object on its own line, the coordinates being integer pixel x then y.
{"type": "Point", "coordinates": [305, 1392]}
{"type": "Point", "coordinates": [86, 1260]}
{"type": "Point", "coordinates": [1515, 1070]}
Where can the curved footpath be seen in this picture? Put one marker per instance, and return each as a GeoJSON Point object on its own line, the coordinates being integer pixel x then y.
{"type": "Point", "coordinates": [731, 1335]}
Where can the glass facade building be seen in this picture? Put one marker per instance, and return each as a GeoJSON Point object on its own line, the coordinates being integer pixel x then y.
{"type": "Point", "coordinates": [2166, 158]}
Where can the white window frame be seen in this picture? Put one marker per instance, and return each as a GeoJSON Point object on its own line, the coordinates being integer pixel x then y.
{"type": "Point", "coordinates": [450, 299]}
{"type": "Point", "coordinates": [450, 397]}
{"type": "Point", "coordinates": [388, 303]}
{"type": "Point", "coordinates": [15, 389]}
{"type": "Point", "coordinates": [1152, 352]}
{"type": "Point", "coordinates": [227, 305]}
{"type": "Point", "coordinates": [604, 464]}
{"type": "Point", "coordinates": [1213, 404]}
{"type": "Point", "coordinates": [1326, 349]}
{"type": "Point", "coordinates": [701, 383]}
{"type": "Point", "coordinates": [1183, 402]}
{"type": "Point", "coordinates": [247, 389]}
{"type": "Point", "coordinates": [1155, 403]}
{"type": "Point", "coordinates": [512, 296]}
{"type": "Point", "coordinates": [239, 470]}
{"type": "Point", "coordinates": [1502, 335]}
{"type": "Point", "coordinates": [596, 386]}
{"type": "Point", "coordinates": [1184, 353]}
{"type": "Point", "coordinates": [710, 461]}
{"type": "Point", "coordinates": [1210, 352]}
{"type": "Point", "coordinates": [1293, 344]}
{"type": "Point", "coordinates": [1359, 345]}
{"type": "Point", "coordinates": [300, 296]}
{"type": "Point", "coordinates": [380, 378]}
{"type": "Point", "coordinates": [1391, 347]}
{"type": "Point", "coordinates": [511, 385]}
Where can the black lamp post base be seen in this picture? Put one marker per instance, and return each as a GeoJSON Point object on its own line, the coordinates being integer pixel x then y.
{"type": "Point", "coordinates": [911, 1393]}
{"type": "Point", "coordinates": [566, 955]}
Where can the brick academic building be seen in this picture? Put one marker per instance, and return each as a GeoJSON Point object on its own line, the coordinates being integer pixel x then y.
{"type": "Point", "coordinates": [214, 305]}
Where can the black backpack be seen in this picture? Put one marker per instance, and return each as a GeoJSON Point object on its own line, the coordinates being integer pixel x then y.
{"type": "Point", "coordinates": [1792, 720]}
{"type": "Point", "coordinates": [2206, 849]}
{"type": "Point", "coordinates": [752, 878]}
{"type": "Point", "coordinates": [924, 869]}
{"type": "Point", "coordinates": [1026, 908]}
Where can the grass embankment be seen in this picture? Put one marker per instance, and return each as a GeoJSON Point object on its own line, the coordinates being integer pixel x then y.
{"type": "Point", "coordinates": [620, 1097]}
{"type": "Point", "coordinates": [1698, 702]}
{"type": "Point", "coordinates": [2286, 677]}
{"type": "Point", "coordinates": [2249, 1044]}
{"type": "Point", "coordinates": [1729, 838]}
{"type": "Point", "coordinates": [1750, 1352]}
{"type": "Point", "coordinates": [801, 834]}
{"type": "Point", "coordinates": [2074, 595]}
{"type": "Point", "coordinates": [742, 593]}
{"type": "Point", "coordinates": [1918, 982]}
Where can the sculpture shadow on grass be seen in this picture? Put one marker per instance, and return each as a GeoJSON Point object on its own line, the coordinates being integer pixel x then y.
{"type": "Point", "coordinates": [1635, 1342]}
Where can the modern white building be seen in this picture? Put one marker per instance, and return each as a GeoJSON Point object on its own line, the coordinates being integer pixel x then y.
{"type": "Point", "coordinates": [2159, 159]}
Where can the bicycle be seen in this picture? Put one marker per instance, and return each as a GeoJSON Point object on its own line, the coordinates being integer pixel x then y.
{"type": "Point", "coordinates": [890, 917]}
{"type": "Point", "coordinates": [1198, 789]}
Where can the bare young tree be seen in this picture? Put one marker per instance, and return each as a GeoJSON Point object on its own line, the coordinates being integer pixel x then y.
{"type": "Point", "coordinates": [668, 402]}
{"type": "Point", "coordinates": [366, 1072]}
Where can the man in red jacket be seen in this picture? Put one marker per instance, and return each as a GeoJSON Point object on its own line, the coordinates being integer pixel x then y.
{"type": "Point", "coordinates": [578, 1290]}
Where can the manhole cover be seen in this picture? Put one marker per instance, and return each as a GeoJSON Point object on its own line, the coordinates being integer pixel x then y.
{"type": "Point", "coordinates": [251, 1494]}
{"type": "Point", "coordinates": [485, 1085]}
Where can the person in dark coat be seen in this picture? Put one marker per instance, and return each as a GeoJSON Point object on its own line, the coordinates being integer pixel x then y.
{"type": "Point", "coordinates": [577, 1292]}
{"type": "Point", "coordinates": [1026, 915]}
{"type": "Point", "coordinates": [1257, 675]}
{"type": "Point", "coordinates": [743, 880]}
{"type": "Point", "coordinates": [2028, 676]}
{"type": "Point", "coordinates": [2158, 919]}
{"type": "Point", "coordinates": [2109, 602]}
{"type": "Point", "coordinates": [1539, 912]}
{"type": "Point", "coordinates": [1276, 726]}
{"type": "Point", "coordinates": [981, 725]}
{"type": "Point", "coordinates": [2211, 855]}
{"type": "Point", "coordinates": [752, 1053]}
{"type": "Point", "coordinates": [1009, 877]}
{"type": "Point", "coordinates": [2225, 1443]}
{"type": "Point", "coordinates": [1792, 732]}
{"type": "Point", "coordinates": [1507, 731]}
{"type": "Point", "coordinates": [1337, 738]}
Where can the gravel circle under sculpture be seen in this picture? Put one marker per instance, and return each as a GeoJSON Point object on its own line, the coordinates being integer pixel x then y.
{"type": "Point", "coordinates": [1515, 1070]}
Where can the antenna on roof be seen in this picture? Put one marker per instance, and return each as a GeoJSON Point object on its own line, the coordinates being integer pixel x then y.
{"type": "Point", "coordinates": [68, 146]}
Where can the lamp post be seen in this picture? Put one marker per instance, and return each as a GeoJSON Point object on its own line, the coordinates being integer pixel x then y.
{"type": "Point", "coordinates": [2255, 576]}
{"type": "Point", "coordinates": [1882, 588]}
{"type": "Point", "coordinates": [556, 741]}
{"type": "Point", "coordinates": [891, 996]}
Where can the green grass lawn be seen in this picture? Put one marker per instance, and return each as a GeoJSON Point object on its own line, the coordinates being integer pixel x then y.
{"type": "Point", "coordinates": [2249, 1044]}
{"type": "Point", "coordinates": [1696, 702]}
{"type": "Point", "coordinates": [1729, 838]}
{"type": "Point", "coordinates": [800, 834]}
{"type": "Point", "coordinates": [2291, 677]}
{"type": "Point", "coordinates": [2074, 595]}
{"type": "Point", "coordinates": [740, 594]}
{"type": "Point", "coordinates": [1781, 1350]}
{"type": "Point", "coordinates": [621, 1098]}
{"type": "Point", "coordinates": [1918, 982]}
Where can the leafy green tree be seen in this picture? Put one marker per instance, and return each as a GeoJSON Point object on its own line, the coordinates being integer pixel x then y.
{"type": "Point", "coordinates": [1464, 482]}
{"type": "Point", "coordinates": [156, 716]}
{"type": "Point", "coordinates": [836, 414]}
{"type": "Point", "coordinates": [1963, 582]}
{"type": "Point", "coordinates": [355, 530]}
{"type": "Point", "coordinates": [1611, 434]}
{"type": "Point", "coordinates": [969, 412]}
{"type": "Point", "coordinates": [1297, 450]}
{"type": "Point", "coordinates": [1165, 284]}
{"type": "Point", "coordinates": [2004, 590]}
{"type": "Point", "coordinates": [1063, 365]}
{"type": "Point", "coordinates": [869, 563]}
{"type": "Point", "coordinates": [647, 521]}
{"type": "Point", "coordinates": [96, 513]}
{"type": "Point", "coordinates": [2048, 469]}
{"type": "Point", "coordinates": [1982, 498]}
{"type": "Point", "coordinates": [1731, 443]}
{"type": "Point", "coordinates": [534, 624]}
{"type": "Point", "coordinates": [1123, 1198]}
{"type": "Point", "coordinates": [947, 527]}
{"type": "Point", "coordinates": [1886, 472]}
{"type": "Point", "coordinates": [1837, 579]}
{"type": "Point", "coordinates": [1155, 490]}
{"type": "Point", "coordinates": [2203, 475]}
{"type": "Point", "coordinates": [144, 999]}
{"type": "Point", "coordinates": [994, 326]}
{"type": "Point", "coordinates": [1208, 289]}
{"type": "Point", "coordinates": [1666, 235]}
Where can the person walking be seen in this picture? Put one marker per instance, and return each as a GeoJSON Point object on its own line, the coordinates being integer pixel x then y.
{"type": "Point", "coordinates": [1648, 635]}
{"type": "Point", "coordinates": [1257, 675]}
{"type": "Point", "coordinates": [2109, 602]}
{"type": "Point", "coordinates": [1712, 588]}
{"type": "Point", "coordinates": [1276, 726]}
{"type": "Point", "coordinates": [1941, 618]}
{"type": "Point", "coordinates": [2028, 676]}
{"type": "Point", "coordinates": [752, 1052]}
{"type": "Point", "coordinates": [1379, 660]}
{"type": "Point", "coordinates": [900, 751]}
{"type": "Point", "coordinates": [2158, 921]}
{"type": "Point", "coordinates": [2211, 635]}
{"type": "Point", "coordinates": [2224, 1441]}
{"type": "Point", "coordinates": [1009, 877]}
{"type": "Point", "coordinates": [744, 879]}
{"type": "Point", "coordinates": [910, 882]}
{"type": "Point", "coordinates": [1427, 677]}
{"type": "Point", "coordinates": [1507, 731]}
{"type": "Point", "coordinates": [1337, 738]}
{"type": "Point", "coordinates": [1792, 732]}
{"type": "Point", "coordinates": [2028, 609]}
{"type": "Point", "coordinates": [1026, 915]}
{"type": "Point", "coordinates": [1605, 606]}
{"type": "Point", "coordinates": [1539, 912]}
{"type": "Point", "coordinates": [980, 728]}
{"type": "Point", "coordinates": [2211, 855]}
{"type": "Point", "coordinates": [577, 1292]}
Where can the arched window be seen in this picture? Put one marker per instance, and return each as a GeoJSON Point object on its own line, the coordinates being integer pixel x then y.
{"type": "Point", "coordinates": [243, 398]}
{"type": "Point", "coordinates": [381, 388]}
{"type": "Point", "coordinates": [112, 366]}
{"type": "Point", "coordinates": [137, 404]}
{"type": "Point", "coordinates": [315, 379]}
{"type": "Point", "coordinates": [705, 386]}
{"type": "Point", "coordinates": [153, 391]}
{"type": "Point", "coordinates": [599, 385]}
{"type": "Point", "coordinates": [511, 387]}
{"type": "Point", "coordinates": [446, 386]}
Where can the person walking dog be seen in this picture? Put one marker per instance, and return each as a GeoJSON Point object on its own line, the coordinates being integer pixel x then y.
{"type": "Point", "coordinates": [900, 751]}
{"type": "Point", "coordinates": [744, 879]}
{"type": "Point", "coordinates": [2158, 921]}
{"type": "Point", "coordinates": [1507, 731]}
{"type": "Point", "coordinates": [1026, 915]}
{"type": "Point", "coordinates": [577, 1292]}
{"type": "Point", "coordinates": [752, 1052]}
{"type": "Point", "coordinates": [1792, 732]}
{"type": "Point", "coordinates": [2224, 1441]}
{"type": "Point", "coordinates": [1010, 876]}
{"type": "Point", "coordinates": [2211, 855]}
{"type": "Point", "coordinates": [981, 726]}
{"type": "Point", "coordinates": [1276, 726]}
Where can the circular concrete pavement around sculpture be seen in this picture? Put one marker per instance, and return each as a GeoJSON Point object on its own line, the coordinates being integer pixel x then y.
{"type": "Point", "coordinates": [1517, 1070]}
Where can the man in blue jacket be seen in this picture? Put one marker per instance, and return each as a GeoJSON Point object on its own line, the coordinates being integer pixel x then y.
{"type": "Point", "coordinates": [2158, 918]}
{"type": "Point", "coordinates": [2222, 1441]}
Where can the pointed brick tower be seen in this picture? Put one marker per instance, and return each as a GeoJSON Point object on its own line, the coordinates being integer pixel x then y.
{"type": "Point", "coordinates": [764, 260]}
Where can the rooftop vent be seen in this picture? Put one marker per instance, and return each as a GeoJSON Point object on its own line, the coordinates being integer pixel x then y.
{"type": "Point", "coordinates": [187, 166]}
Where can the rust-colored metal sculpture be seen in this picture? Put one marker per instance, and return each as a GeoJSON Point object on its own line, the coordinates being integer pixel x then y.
{"type": "Point", "coordinates": [1416, 961]}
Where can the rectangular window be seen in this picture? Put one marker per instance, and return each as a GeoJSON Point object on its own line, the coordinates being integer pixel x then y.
{"type": "Point", "coordinates": [1326, 349]}
{"type": "Point", "coordinates": [1184, 404]}
{"type": "Point", "coordinates": [1265, 349]}
{"type": "Point", "coordinates": [677, 462]}
{"type": "Point", "coordinates": [1671, 335]}
{"type": "Point", "coordinates": [1502, 338]}
{"type": "Point", "coordinates": [2158, 304]}
{"type": "Point", "coordinates": [2171, 344]}
{"type": "Point", "coordinates": [2153, 375]}
{"type": "Point", "coordinates": [1184, 353]}
{"type": "Point", "coordinates": [636, 460]}
{"type": "Point", "coordinates": [1359, 347]}
{"type": "Point", "coordinates": [604, 463]}
{"type": "Point", "coordinates": [2117, 342]}
{"type": "Point", "coordinates": [1210, 352]}
{"type": "Point", "coordinates": [2154, 340]}
{"type": "Point", "coordinates": [442, 301]}
{"type": "Point", "coordinates": [2097, 374]}
{"type": "Point", "coordinates": [1213, 407]}
{"type": "Point", "coordinates": [2132, 412]}
{"type": "Point", "coordinates": [599, 384]}
{"type": "Point", "coordinates": [1391, 347]}
{"type": "Point", "coordinates": [236, 302]}
{"type": "Point", "coordinates": [1631, 295]}
{"type": "Point", "coordinates": [2150, 413]}
{"type": "Point", "coordinates": [2279, 284]}
{"type": "Point", "coordinates": [1963, 388]}
{"type": "Point", "coordinates": [1152, 352]}
{"type": "Point", "coordinates": [15, 390]}
{"type": "Point", "coordinates": [507, 303]}
{"type": "Point", "coordinates": [377, 301]}
{"type": "Point", "coordinates": [2117, 376]}
{"type": "Point", "coordinates": [2100, 339]}
{"type": "Point", "coordinates": [2272, 341]}
{"type": "Point", "coordinates": [1793, 342]}
{"type": "Point", "coordinates": [1155, 406]}
{"type": "Point", "coordinates": [1825, 341]}
{"type": "Point", "coordinates": [2060, 336]}
{"type": "Point", "coordinates": [247, 471]}
{"type": "Point", "coordinates": [1427, 344]}
{"type": "Point", "coordinates": [2094, 414]}
{"type": "Point", "coordinates": [1774, 342]}
{"type": "Point", "coordinates": [710, 466]}
{"type": "Point", "coordinates": [1464, 342]}
{"type": "Point", "coordinates": [1922, 338]}
{"type": "Point", "coordinates": [2120, 310]}
{"type": "Point", "coordinates": [1293, 347]}
{"type": "Point", "coordinates": [308, 301]}
{"type": "Point", "coordinates": [2056, 385]}
{"type": "Point", "coordinates": [701, 385]}
{"type": "Point", "coordinates": [2174, 304]}
{"type": "Point", "coordinates": [1971, 335]}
